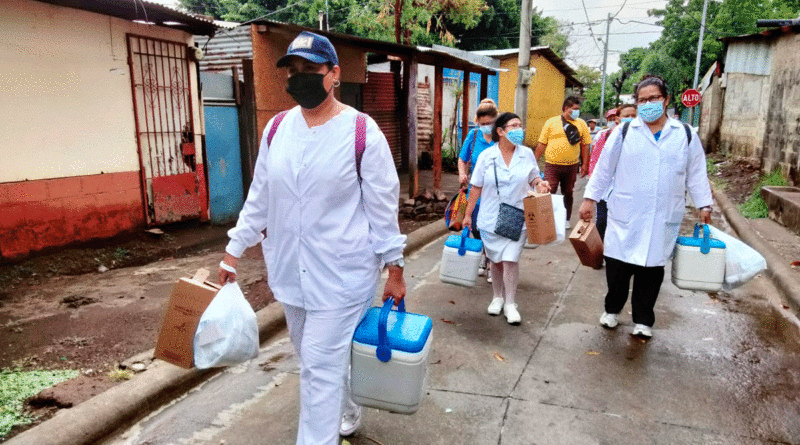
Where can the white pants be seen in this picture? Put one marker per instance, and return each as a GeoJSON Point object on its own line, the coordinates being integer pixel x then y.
{"type": "Point", "coordinates": [323, 339]}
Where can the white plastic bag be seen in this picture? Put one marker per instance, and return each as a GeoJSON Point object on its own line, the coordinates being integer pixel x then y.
{"type": "Point", "coordinates": [742, 262]}
{"type": "Point", "coordinates": [560, 215]}
{"type": "Point", "coordinates": [228, 331]}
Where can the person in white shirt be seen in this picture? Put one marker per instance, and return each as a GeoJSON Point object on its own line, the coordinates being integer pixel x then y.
{"type": "Point", "coordinates": [503, 173]}
{"type": "Point", "coordinates": [650, 168]}
{"type": "Point", "coordinates": [329, 230]}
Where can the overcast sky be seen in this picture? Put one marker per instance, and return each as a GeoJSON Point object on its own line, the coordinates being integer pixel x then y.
{"type": "Point", "coordinates": [624, 33]}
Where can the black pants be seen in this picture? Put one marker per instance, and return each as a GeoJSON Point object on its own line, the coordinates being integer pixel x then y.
{"type": "Point", "coordinates": [646, 285]}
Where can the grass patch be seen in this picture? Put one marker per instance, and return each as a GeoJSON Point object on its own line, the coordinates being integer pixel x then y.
{"type": "Point", "coordinates": [711, 166]}
{"type": "Point", "coordinates": [16, 386]}
{"type": "Point", "coordinates": [755, 206]}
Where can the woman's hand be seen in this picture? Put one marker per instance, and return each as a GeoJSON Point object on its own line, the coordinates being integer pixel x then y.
{"type": "Point", "coordinates": [705, 215]}
{"type": "Point", "coordinates": [395, 285]}
{"type": "Point", "coordinates": [587, 210]}
{"type": "Point", "coordinates": [226, 276]}
{"type": "Point", "coordinates": [467, 222]}
{"type": "Point", "coordinates": [463, 178]}
{"type": "Point", "coordinates": [542, 186]}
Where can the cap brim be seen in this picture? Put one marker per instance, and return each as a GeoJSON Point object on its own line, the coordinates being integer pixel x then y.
{"type": "Point", "coordinates": [286, 60]}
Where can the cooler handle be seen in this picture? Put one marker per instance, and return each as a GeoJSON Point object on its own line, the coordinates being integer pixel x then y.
{"type": "Point", "coordinates": [462, 250]}
{"type": "Point", "coordinates": [383, 351]}
{"type": "Point", "coordinates": [705, 245]}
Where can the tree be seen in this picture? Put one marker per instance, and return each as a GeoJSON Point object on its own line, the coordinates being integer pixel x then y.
{"type": "Point", "coordinates": [498, 28]}
{"type": "Point", "coordinates": [591, 103]}
{"type": "Point", "coordinates": [588, 76]}
{"type": "Point", "coordinates": [556, 35]}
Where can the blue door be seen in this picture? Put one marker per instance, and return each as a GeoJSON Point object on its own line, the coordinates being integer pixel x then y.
{"type": "Point", "coordinates": [224, 162]}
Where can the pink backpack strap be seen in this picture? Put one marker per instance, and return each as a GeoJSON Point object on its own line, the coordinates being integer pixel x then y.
{"type": "Point", "coordinates": [274, 128]}
{"type": "Point", "coordinates": [361, 140]}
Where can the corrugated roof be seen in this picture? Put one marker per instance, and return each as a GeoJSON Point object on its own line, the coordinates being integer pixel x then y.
{"type": "Point", "coordinates": [423, 55]}
{"type": "Point", "coordinates": [226, 49]}
{"type": "Point", "coordinates": [143, 11]}
{"type": "Point", "coordinates": [766, 34]}
{"type": "Point", "coordinates": [544, 51]}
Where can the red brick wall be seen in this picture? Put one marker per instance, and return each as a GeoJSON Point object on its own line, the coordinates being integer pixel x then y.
{"type": "Point", "coordinates": [54, 212]}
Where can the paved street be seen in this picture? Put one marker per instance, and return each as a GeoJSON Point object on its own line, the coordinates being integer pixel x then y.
{"type": "Point", "coordinates": [721, 369]}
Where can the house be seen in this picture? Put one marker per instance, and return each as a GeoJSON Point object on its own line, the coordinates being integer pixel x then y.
{"type": "Point", "coordinates": [751, 101]}
{"type": "Point", "coordinates": [102, 124]}
{"type": "Point", "coordinates": [551, 77]}
{"type": "Point", "coordinates": [388, 95]}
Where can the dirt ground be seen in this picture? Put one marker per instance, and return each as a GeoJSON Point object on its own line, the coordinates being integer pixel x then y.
{"type": "Point", "coordinates": [737, 177]}
{"type": "Point", "coordinates": [57, 311]}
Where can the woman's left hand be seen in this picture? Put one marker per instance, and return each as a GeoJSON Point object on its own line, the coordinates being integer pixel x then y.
{"type": "Point", "coordinates": [395, 285]}
{"type": "Point", "coordinates": [705, 216]}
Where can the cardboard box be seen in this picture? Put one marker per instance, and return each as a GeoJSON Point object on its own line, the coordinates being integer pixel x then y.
{"type": "Point", "coordinates": [587, 243]}
{"type": "Point", "coordinates": [539, 219]}
{"type": "Point", "coordinates": [190, 298]}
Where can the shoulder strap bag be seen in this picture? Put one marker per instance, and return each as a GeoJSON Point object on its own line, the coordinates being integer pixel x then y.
{"type": "Point", "coordinates": [509, 219]}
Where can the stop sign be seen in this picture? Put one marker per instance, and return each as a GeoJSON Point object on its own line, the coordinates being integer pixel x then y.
{"type": "Point", "coordinates": [691, 97]}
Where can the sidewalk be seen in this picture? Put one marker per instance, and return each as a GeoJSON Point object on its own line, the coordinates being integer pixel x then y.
{"type": "Point", "coordinates": [718, 370]}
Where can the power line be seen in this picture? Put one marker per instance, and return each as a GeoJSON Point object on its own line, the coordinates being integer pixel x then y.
{"type": "Point", "coordinates": [585, 12]}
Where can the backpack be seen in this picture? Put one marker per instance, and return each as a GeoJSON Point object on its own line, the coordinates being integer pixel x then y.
{"type": "Point", "coordinates": [361, 136]}
{"type": "Point", "coordinates": [685, 127]}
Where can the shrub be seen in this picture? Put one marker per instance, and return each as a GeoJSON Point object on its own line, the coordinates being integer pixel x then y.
{"type": "Point", "coordinates": [755, 206]}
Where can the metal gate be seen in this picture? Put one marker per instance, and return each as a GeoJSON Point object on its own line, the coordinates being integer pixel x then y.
{"type": "Point", "coordinates": [162, 104]}
{"type": "Point", "coordinates": [380, 102]}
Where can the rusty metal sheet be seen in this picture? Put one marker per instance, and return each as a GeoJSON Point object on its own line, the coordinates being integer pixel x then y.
{"type": "Point", "coordinates": [176, 198]}
{"type": "Point", "coordinates": [380, 102]}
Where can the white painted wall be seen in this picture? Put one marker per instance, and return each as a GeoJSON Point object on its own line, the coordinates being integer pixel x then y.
{"type": "Point", "coordinates": [66, 94]}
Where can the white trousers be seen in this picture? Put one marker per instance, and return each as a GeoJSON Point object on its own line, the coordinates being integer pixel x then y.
{"type": "Point", "coordinates": [322, 340]}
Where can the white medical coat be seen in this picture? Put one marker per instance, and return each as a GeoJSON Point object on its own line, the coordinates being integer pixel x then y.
{"type": "Point", "coordinates": [327, 236]}
{"type": "Point", "coordinates": [514, 181]}
{"type": "Point", "coordinates": [649, 180]}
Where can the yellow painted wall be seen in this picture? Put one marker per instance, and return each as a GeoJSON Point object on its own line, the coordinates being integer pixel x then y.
{"type": "Point", "coordinates": [545, 93]}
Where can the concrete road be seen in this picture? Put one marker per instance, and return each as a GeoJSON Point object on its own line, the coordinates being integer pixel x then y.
{"type": "Point", "coordinates": [721, 369]}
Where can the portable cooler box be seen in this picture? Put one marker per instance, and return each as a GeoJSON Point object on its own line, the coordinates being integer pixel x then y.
{"type": "Point", "coordinates": [461, 259]}
{"type": "Point", "coordinates": [699, 263]}
{"type": "Point", "coordinates": [390, 359]}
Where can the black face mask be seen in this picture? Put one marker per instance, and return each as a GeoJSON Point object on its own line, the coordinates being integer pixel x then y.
{"type": "Point", "coordinates": [307, 89]}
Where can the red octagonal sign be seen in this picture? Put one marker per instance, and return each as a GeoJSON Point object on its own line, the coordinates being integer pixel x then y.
{"type": "Point", "coordinates": [691, 97]}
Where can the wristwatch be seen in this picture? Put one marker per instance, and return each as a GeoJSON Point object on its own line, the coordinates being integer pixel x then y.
{"type": "Point", "coordinates": [398, 263]}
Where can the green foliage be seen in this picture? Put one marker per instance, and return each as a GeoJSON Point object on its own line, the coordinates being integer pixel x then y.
{"type": "Point", "coordinates": [591, 104]}
{"type": "Point", "coordinates": [498, 28]}
{"type": "Point", "coordinates": [588, 76]}
{"type": "Point", "coordinates": [755, 206]}
{"type": "Point", "coordinates": [16, 386]}
{"type": "Point", "coordinates": [556, 35]}
{"type": "Point", "coordinates": [711, 167]}
{"type": "Point", "coordinates": [673, 55]}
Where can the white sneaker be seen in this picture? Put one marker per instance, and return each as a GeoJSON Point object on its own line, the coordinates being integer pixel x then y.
{"type": "Point", "coordinates": [569, 226]}
{"type": "Point", "coordinates": [489, 276]}
{"type": "Point", "coordinates": [350, 422]}
{"type": "Point", "coordinates": [495, 306]}
{"type": "Point", "coordinates": [609, 320]}
{"type": "Point", "coordinates": [481, 271]}
{"type": "Point", "coordinates": [512, 314]}
{"type": "Point", "coordinates": [642, 331]}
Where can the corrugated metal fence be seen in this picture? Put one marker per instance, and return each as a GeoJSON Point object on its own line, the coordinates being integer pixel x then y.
{"type": "Point", "coordinates": [380, 102]}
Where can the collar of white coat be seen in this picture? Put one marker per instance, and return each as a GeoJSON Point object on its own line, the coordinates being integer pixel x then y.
{"type": "Point", "coordinates": [671, 122]}
{"type": "Point", "coordinates": [497, 155]}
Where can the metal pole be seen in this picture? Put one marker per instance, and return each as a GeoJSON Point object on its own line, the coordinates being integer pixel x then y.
{"type": "Point", "coordinates": [524, 63]}
{"type": "Point", "coordinates": [699, 55]}
{"type": "Point", "coordinates": [327, 18]}
{"type": "Point", "coordinates": [605, 62]}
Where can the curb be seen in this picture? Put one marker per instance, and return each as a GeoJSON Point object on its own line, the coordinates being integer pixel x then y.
{"type": "Point", "coordinates": [784, 278]}
{"type": "Point", "coordinates": [125, 404]}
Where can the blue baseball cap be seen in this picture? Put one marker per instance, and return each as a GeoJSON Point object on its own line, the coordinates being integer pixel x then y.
{"type": "Point", "coordinates": [312, 47]}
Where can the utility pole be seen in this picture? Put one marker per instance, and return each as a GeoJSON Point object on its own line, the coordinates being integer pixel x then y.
{"type": "Point", "coordinates": [605, 63]}
{"type": "Point", "coordinates": [327, 17]}
{"type": "Point", "coordinates": [699, 54]}
{"type": "Point", "coordinates": [524, 63]}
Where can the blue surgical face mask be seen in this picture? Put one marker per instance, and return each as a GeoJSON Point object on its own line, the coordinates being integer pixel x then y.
{"type": "Point", "coordinates": [625, 120]}
{"type": "Point", "coordinates": [487, 129]}
{"type": "Point", "coordinates": [516, 136]}
{"type": "Point", "coordinates": [650, 112]}
{"type": "Point", "coordinates": [575, 114]}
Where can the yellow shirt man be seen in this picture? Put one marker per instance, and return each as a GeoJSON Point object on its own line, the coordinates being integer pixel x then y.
{"type": "Point", "coordinates": [559, 151]}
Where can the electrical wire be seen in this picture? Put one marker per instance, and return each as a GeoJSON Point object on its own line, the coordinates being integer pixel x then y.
{"type": "Point", "coordinates": [585, 12]}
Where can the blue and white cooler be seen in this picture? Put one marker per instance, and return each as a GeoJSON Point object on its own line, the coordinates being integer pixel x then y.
{"type": "Point", "coordinates": [699, 263]}
{"type": "Point", "coordinates": [461, 259]}
{"type": "Point", "coordinates": [390, 359]}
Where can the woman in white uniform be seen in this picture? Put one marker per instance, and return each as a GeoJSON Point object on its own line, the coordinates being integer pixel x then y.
{"type": "Point", "coordinates": [650, 168]}
{"type": "Point", "coordinates": [503, 173]}
{"type": "Point", "coordinates": [330, 228]}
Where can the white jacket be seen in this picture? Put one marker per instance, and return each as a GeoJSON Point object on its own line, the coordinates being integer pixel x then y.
{"type": "Point", "coordinates": [326, 234]}
{"type": "Point", "coordinates": [649, 181]}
